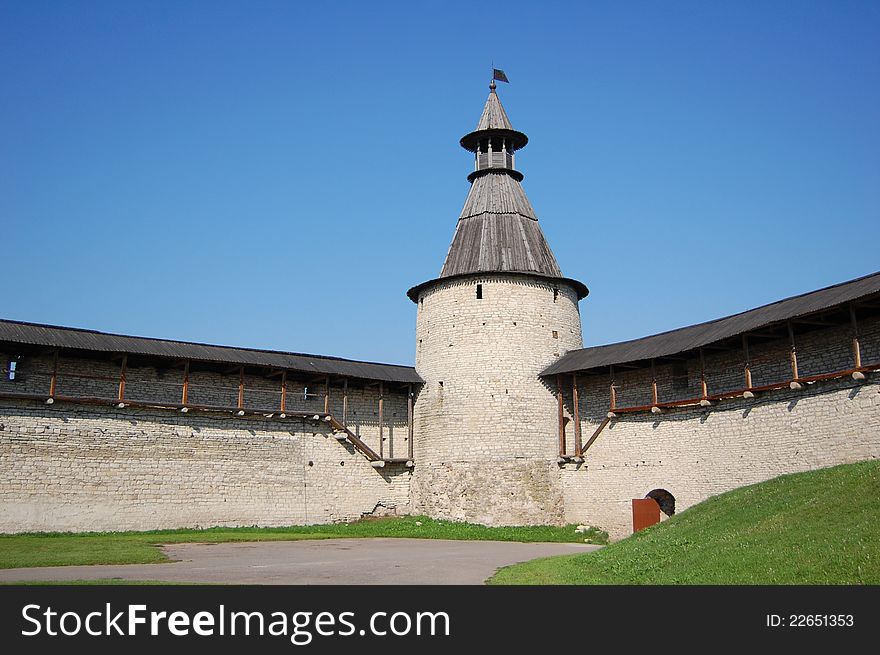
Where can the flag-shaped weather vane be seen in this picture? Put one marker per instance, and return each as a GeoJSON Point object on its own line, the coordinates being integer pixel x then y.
{"type": "Point", "coordinates": [497, 74]}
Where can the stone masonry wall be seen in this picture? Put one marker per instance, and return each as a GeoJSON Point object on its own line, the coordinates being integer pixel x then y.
{"type": "Point", "coordinates": [149, 381]}
{"type": "Point", "coordinates": [485, 422]}
{"type": "Point", "coordinates": [77, 467]}
{"type": "Point", "coordinates": [698, 452]}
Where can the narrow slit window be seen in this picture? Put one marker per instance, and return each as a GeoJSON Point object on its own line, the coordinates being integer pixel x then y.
{"type": "Point", "coordinates": [479, 292]}
{"type": "Point", "coordinates": [555, 294]}
{"type": "Point", "coordinates": [10, 369]}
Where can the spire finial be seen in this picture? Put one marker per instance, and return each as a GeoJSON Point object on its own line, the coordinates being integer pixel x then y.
{"type": "Point", "coordinates": [492, 86]}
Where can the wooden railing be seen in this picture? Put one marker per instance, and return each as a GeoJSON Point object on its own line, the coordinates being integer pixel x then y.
{"type": "Point", "coordinates": [121, 391]}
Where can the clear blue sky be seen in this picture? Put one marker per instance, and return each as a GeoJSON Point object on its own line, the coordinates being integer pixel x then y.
{"type": "Point", "coordinates": [277, 174]}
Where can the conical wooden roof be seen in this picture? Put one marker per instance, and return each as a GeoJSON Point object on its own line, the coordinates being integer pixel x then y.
{"type": "Point", "coordinates": [493, 117]}
{"type": "Point", "coordinates": [498, 229]}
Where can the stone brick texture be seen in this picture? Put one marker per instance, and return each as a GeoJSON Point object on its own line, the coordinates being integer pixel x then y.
{"type": "Point", "coordinates": [485, 422]}
{"type": "Point", "coordinates": [70, 466]}
{"type": "Point", "coordinates": [486, 429]}
{"type": "Point", "coordinates": [698, 452]}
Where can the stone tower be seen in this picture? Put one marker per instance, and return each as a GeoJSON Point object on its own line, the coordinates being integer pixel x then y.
{"type": "Point", "coordinates": [486, 430]}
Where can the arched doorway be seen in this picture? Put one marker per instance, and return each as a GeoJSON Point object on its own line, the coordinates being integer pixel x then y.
{"type": "Point", "coordinates": [665, 499]}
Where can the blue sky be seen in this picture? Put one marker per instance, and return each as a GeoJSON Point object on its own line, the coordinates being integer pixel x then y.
{"type": "Point", "coordinates": [277, 174]}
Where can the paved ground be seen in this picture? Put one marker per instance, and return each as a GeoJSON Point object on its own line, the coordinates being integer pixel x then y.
{"type": "Point", "coordinates": [324, 561]}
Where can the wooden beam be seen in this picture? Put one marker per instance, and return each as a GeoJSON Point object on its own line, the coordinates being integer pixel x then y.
{"type": "Point", "coordinates": [185, 383]}
{"type": "Point", "coordinates": [653, 384]}
{"type": "Point", "coordinates": [703, 386]}
{"type": "Point", "coordinates": [381, 421]}
{"type": "Point", "coordinates": [857, 351]}
{"type": "Point", "coordinates": [739, 392]}
{"type": "Point", "coordinates": [596, 434]}
{"type": "Point", "coordinates": [747, 367]}
{"type": "Point", "coordinates": [561, 414]}
{"type": "Point", "coordinates": [613, 390]}
{"type": "Point", "coordinates": [53, 383]}
{"type": "Point", "coordinates": [283, 391]}
{"type": "Point", "coordinates": [371, 454]}
{"type": "Point", "coordinates": [794, 362]}
{"type": "Point", "coordinates": [716, 346]}
{"type": "Point", "coordinates": [122, 370]}
{"type": "Point", "coordinates": [814, 321]}
{"type": "Point", "coordinates": [327, 394]}
{"type": "Point", "coordinates": [241, 387]}
{"type": "Point", "coordinates": [409, 420]}
{"type": "Point", "coordinates": [345, 402]}
{"type": "Point", "coordinates": [577, 415]}
{"type": "Point", "coordinates": [763, 335]}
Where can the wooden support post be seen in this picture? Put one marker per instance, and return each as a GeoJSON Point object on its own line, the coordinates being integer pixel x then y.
{"type": "Point", "coordinates": [794, 362]}
{"type": "Point", "coordinates": [185, 394]}
{"type": "Point", "coordinates": [283, 391]}
{"type": "Point", "coordinates": [613, 389]}
{"type": "Point", "coordinates": [577, 416]}
{"type": "Point", "coordinates": [327, 395]}
{"type": "Point", "coordinates": [345, 402]}
{"type": "Point", "coordinates": [857, 351]}
{"type": "Point", "coordinates": [53, 383]}
{"type": "Point", "coordinates": [653, 385]}
{"type": "Point", "coordinates": [704, 388]}
{"type": "Point", "coordinates": [409, 421]}
{"type": "Point", "coordinates": [241, 387]}
{"type": "Point", "coordinates": [561, 407]}
{"type": "Point", "coordinates": [381, 421]}
{"type": "Point", "coordinates": [121, 395]}
{"type": "Point", "coordinates": [747, 368]}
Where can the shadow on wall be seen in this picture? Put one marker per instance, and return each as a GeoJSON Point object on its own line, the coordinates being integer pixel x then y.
{"type": "Point", "coordinates": [665, 499]}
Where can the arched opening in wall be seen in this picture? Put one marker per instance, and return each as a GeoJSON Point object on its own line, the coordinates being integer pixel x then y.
{"type": "Point", "coordinates": [665, 499]}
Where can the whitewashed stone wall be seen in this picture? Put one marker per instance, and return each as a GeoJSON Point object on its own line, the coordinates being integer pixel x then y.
{"type": "Point", "coordinates": [147, 382]}
{"type": "Point", "coordinates": [78, 467]}
{"type": "Point", "coordinates": [698, 452]}
{"type": "Point", "coordinates": [485, 422]}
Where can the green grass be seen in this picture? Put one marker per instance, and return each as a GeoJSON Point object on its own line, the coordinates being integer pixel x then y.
{"type": "Point", "coordinates": [65, 549]}
{"type": "Point", "coordinates": [821, 527]}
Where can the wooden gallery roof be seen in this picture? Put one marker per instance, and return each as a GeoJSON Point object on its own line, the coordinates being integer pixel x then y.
{"type": "Point", "coordinates": [825, 307]}
{"type": "Point", "coordinates": [13, 333]}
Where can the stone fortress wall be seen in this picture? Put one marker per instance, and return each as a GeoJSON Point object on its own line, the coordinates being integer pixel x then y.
{"type": "Point", "coordinates": [485, 422]}
{"type": "Point", "coordinates": [695, 452]}
{"type": "Point", "coordinates": [92, 466]}
{"type": "Point", "coordinates": [486, 439]}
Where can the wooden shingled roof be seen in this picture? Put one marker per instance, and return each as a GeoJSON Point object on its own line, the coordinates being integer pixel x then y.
{"type": "Point", "coordinates": [14, 333]}
{"type": "Point", "coordinates": [498, 231]}
{"type": "Point", "coordinates": [693, 337]}
{"type": "Point", "coordinates": [493, 117]}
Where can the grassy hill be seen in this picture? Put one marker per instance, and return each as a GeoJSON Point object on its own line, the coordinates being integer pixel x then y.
{"type": "Point", "coordinates": [820, 527]}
